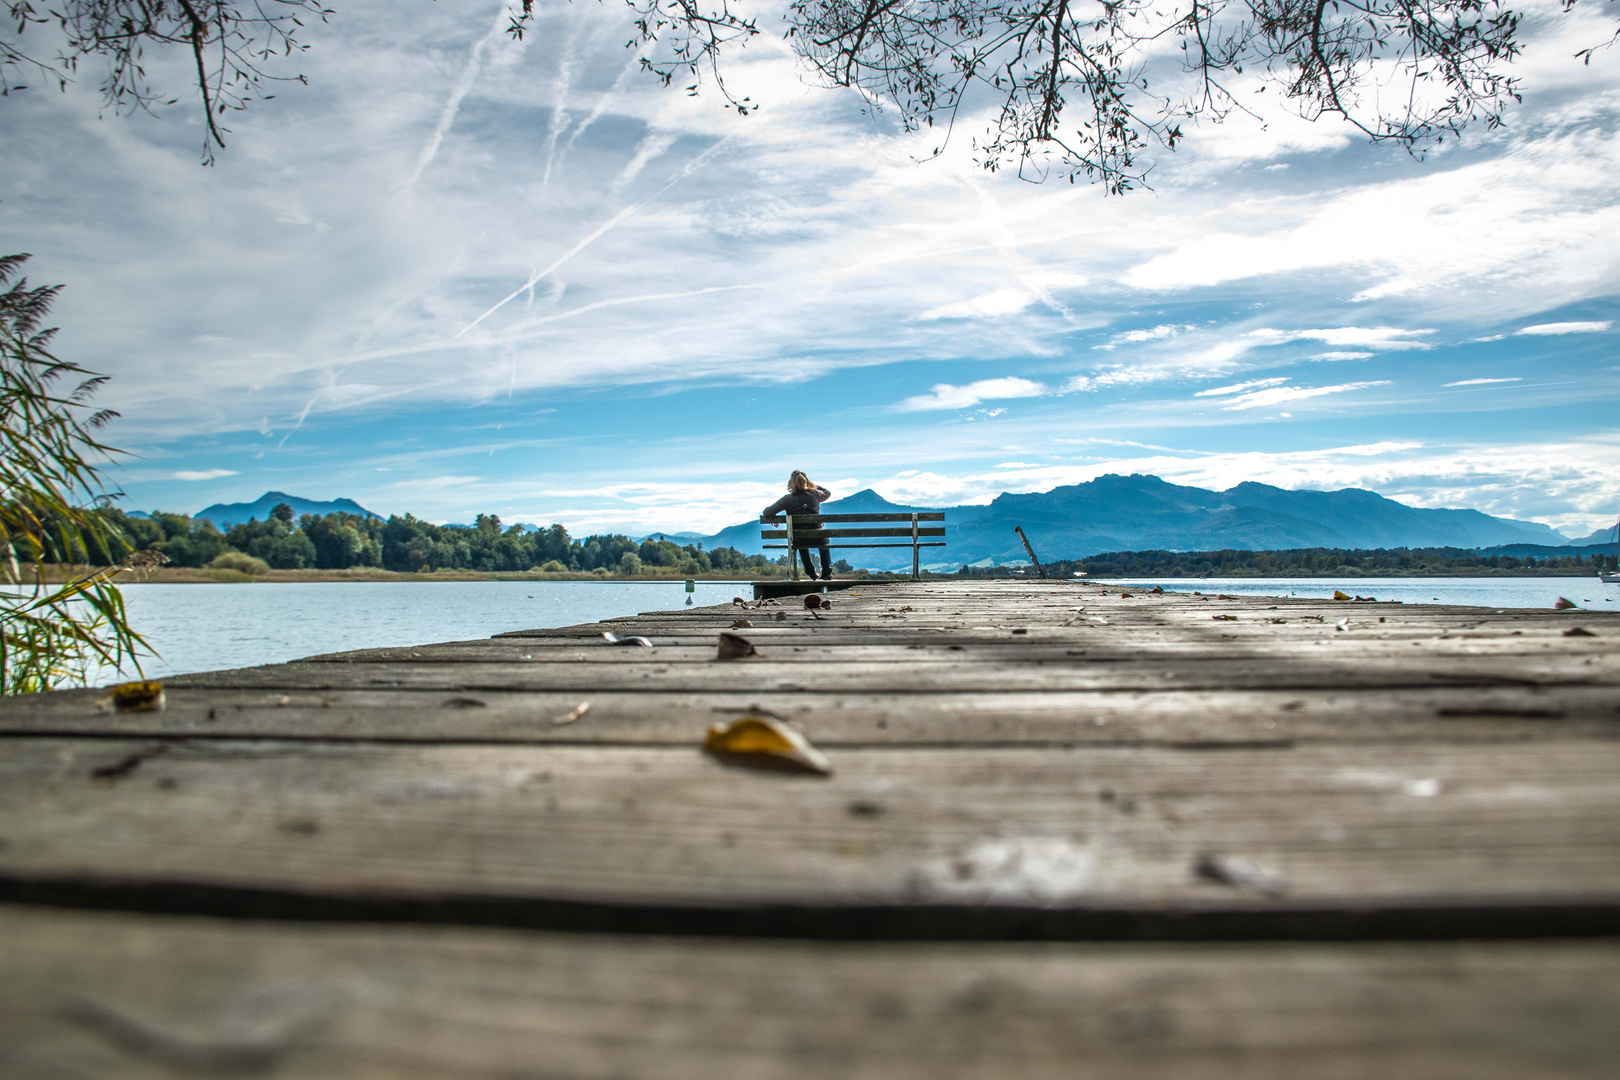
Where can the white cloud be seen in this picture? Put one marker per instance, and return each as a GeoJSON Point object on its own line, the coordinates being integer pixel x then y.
{"type": "Point", "coordinates": [1372, 337]}
{"type": "Point", "coordinates": [1343, 356]}
{"type": "Point", "coordinates": [1132, 337]}
{"type": "Point", "coordinates": [1481, 382]}
{"type": "Point", "coordinates": [1278, 394]}
{"type": "Point", "coordinates": [991, 304]}
{"type": "Point", "coordinates": [946, 396]}
{"type": "Point", "coordinates": [1567, 328]}
{"type": "Point", "coordinates": [203, 474]}
{"type": "Point", "coordinates": [1238, 388]}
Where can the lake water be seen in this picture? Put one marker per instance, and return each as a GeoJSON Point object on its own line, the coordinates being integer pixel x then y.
{"type": "Point", "coordinates": [1500, 593]}
{"type": "Point", "coordinates": [206, 627]}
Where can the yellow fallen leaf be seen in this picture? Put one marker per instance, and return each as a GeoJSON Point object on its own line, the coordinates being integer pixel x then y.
{"type": "Point", "coordinates": [137, 696]}
{"type": "Point", "coordinates": [1337, 595]}
{"type": "Point", "coordinates": [763, 737]}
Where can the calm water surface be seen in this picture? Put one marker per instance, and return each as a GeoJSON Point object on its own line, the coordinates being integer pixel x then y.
{"type": "Point", "coordinates": [207, 627]}
{"type": "Point", "coordinates": [1500, 593]}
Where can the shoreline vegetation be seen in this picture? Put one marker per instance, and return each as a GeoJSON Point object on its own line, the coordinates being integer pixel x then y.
{"type": "Point", "coordinates": [186, 575]}
{"type": "Point", "coordinates": [175, 549]}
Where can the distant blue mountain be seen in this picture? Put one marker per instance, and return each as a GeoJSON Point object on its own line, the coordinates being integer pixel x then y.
{"type": "Point", "coordinates": [1604, 535]}
{"type": "Point", "coordinates": [1142, 513]}
{"type": "Point", "coordinates": [225, 515]}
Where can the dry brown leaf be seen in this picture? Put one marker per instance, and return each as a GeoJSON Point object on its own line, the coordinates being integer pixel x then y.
{"type": "Point", "coordinates": [571, 715]}
{"type": "Point", "coordinates": [763, 741]}
{"type": "Point", "coordinates": [1578, 631]}
{"type": "Point", "coordinates": [630, 639]}
{"type": "Point", "coordinates": [1563, 603]}
{"type": "Point", "coordinates": [1224, 618]}
{"type": "Point", "coordinates": [734, 647]}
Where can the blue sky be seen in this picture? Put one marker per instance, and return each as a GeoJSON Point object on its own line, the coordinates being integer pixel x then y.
{"type": "Point", "coordinates": [459, 274]}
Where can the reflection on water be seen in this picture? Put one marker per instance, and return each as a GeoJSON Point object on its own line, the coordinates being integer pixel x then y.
{"type": "Point", "coordinates": [207, 627]}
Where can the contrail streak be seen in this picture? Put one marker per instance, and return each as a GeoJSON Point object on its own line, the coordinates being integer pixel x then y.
{"type": "Point", "coordinates": [594, 235]}
{"type": "Point", "coordinates": [464, 84]}
{"type": "Point", "coordinates": [559, 113]}
{"type": "Point", "coordinates": [601, 106]}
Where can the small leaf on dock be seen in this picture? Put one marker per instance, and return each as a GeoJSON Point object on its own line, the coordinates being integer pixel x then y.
{"type": "Point", "coordinates": [1224, 618]}
{"type": "Point", "coordinates": [630, 639]}
{"type": "Point", "coordinates": [761, 741]}
{"type": "Point", "coordinates": [144, 696]}
{"type": "Point", "coordinates": [1563, 603]}
{"type": "Point", "coordinates": [1578, 631]}
{"type": "Point", "coordinates": [735, 647]}
{"type": "Point", "coordinates": [1157, 589]}
{"type": "Point", "coordinates": [571, 715]}
{"type": "Point", "coordinates": [1337, 595]}
{"type": "Point", "coordinates": [740, 624]}
{"type": "Point", "coordinates": [1241, 873]}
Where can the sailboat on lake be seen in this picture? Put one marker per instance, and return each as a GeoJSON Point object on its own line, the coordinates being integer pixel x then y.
{"type": "Point", "coordinates": [1612, 577]}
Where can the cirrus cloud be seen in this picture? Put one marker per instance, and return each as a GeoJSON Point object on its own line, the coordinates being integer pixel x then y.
{"type": "Point", "coordinates": [946, 396]}
{"type": "Point", "coordinates": [1566, 328]}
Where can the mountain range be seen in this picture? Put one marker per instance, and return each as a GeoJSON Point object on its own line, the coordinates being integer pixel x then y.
{"type": "Point", "coordinates": [1143, 513]}
{"type": "Point", "coordinates": [1111, 513]}
{"type": "Point", "coordinates": [225, 515]}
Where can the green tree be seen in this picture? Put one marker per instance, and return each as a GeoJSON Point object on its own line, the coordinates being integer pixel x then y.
{"type": "Point", "coordinates": [53, 633]}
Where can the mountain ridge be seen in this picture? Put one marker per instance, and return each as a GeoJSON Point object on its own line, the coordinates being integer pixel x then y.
{"type": "Point", "coordinates": [225, 515]}
{"type": "Point", "coordinates": [1141, 512]}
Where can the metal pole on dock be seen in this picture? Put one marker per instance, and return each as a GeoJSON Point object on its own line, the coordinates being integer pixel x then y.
{"type": "Point", "coordinates": [1019, 529]}
{"type": "Point", "coordinates": [793, 555]}
{"type": "Point", "coordinates": [915, 574]}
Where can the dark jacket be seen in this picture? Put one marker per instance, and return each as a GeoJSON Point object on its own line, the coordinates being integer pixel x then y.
{"type": "Point", "coordinates": [801, 502]}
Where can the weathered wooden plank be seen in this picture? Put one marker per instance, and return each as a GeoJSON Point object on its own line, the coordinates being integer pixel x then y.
{"type": "Point", "coordinates": [1166, 716]}
{"type": "Point", "coordinates": [134, 997]}
{"type": "Point", "coordinates": [1340, 827]}
{"type": "Point", "coordinates": [1325, 670]}
{"type": "Point", "coordinates": [796, 646]}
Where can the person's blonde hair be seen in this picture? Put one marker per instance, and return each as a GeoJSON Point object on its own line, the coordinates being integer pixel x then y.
{"type": "Point", "coordinates": [798, 482]}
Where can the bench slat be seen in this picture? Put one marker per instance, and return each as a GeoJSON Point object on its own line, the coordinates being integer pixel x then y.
{"type": "Point", "coordinates": [836, 544]}
{"type": "Point", "coordinates": [811, 519]}
{"type": "Point", "coordinates": [818, 534]}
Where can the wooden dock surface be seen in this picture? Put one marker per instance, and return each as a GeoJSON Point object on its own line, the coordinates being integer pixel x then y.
{"type": "Point", "coordinates": [1071, 831]}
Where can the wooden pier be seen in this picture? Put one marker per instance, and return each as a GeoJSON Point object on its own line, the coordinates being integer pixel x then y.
{"type": "Point", "coordinates": [1071, 831]}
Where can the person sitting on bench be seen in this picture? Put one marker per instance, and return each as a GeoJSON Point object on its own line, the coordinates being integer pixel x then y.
{"type": "Point", "coordinates": [803, 497]}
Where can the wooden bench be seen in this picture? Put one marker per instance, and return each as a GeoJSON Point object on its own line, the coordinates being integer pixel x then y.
{"type": "Point", "coordinates": [811, 530]}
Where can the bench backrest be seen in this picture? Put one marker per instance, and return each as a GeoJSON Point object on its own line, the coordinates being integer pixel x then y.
{"type": "Point", "coordinates": [855, 531]}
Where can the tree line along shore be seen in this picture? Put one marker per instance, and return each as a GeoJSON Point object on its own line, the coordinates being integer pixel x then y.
{"type": "Point", "coordinates": [352, 547]}
{"type": "Point", "coordinates": [348, 547]}
{"type": "Point", "coordinates": [1319, 563]}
